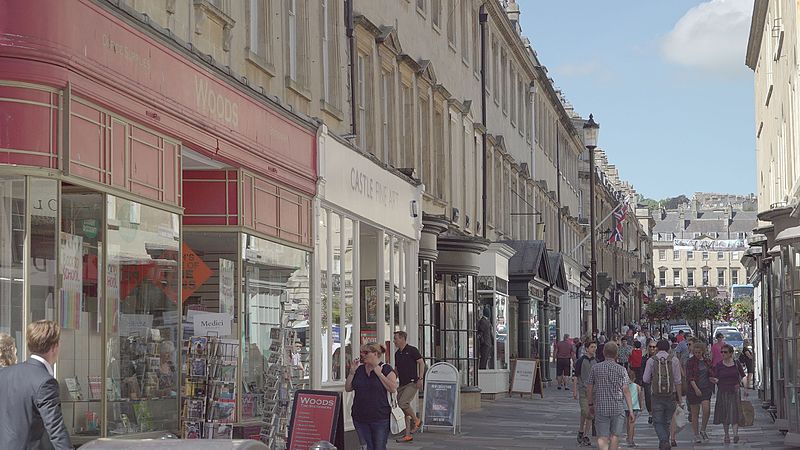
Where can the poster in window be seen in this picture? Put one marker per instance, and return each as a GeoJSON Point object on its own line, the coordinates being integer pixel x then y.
{"type": "Point", "coordinates": [226, 283]}
{"type": "Point", "coordinates": [371, 304]}
{"type": "Point", "coordinates": [72, 281]}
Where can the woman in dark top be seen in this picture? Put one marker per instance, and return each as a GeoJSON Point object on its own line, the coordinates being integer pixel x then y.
{"type": "Point", "coordinates": [371, 381]}
{"type": "Point", "coordinates": [699, 373]}
{"type": "Point", "coordinates": [746, 359]}
{"type": "Point", "coordinates": [728, 375]}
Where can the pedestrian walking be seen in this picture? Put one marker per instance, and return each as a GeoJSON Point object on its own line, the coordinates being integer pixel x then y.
{"type": "Point", "coordinates": [8, 350]}
{"type": "Point", "coordinates": [565, 353]}
{"type": "Point", "coordinates": [31, 404]}
{"type": "Point", "coordinates": [372, 380]}
{"type": "Point", "coordinates": [716, 349]}
{"type": "Point", "coordinates": [651, 351]}
{"type": "Point", "coordinates": [699, 372]}
{"type": "Point", "coordinates": [609, 396]}
{"type": "Point", "coordinates": [663, 372]}
{"type": "Point", "coordinates": [583, 368]}
{"type": "Point", "coordinates": [411, 371]}
{"type": "Point", "coordinates": [602, 338]}
{"type": "Point", "coordinates": [728, 374]}
{"type": "Point", "coordinates": [635, 361]}
{"type": "Point", "coordinates": [637, 400]}
{"type": "Point", "coordinates": [624, 352]}
{"type": "Point", "coordinates": [747, 360]}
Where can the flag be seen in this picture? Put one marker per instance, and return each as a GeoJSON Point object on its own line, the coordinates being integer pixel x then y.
{"type": "Point", "coordinates": [619, 216]}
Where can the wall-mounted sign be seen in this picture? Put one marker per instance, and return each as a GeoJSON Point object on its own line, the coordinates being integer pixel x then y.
{"type": "Point", "coordinates": [135, 324]}
{"type": "Point", "coordinates": [361, 186]}
{"type": "Point", "coordinates": [212, 324]}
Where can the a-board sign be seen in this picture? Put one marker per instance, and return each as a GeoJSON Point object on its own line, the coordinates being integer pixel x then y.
{"type": "Point", "coordinates": [440, 406]}
{"type": "Point", "coordinates": [526, 377]}
{"type": "Point", "coordinates": [316, 416]}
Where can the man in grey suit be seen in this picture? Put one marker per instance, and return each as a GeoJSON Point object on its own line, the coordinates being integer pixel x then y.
{"type": "Point", "coordinates": [29, 397]}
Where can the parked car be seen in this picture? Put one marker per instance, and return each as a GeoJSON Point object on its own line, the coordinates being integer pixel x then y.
{"type": "Point", "coordinates": [675, 329]}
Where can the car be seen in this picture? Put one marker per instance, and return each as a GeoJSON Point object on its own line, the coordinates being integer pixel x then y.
{"type": "Point", "coordinates": [675, 329]}
{"type": "Point", "coordinates": [732, 336]}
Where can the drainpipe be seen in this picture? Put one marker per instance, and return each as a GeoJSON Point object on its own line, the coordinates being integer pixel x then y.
{"type": "Point", "coordinates": [483, 18]}
{"type": "Point", "coordinates": [351, 44]}
{"type": "Point", "coordinates": [558, 188]}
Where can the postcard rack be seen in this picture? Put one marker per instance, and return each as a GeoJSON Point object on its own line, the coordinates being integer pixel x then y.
{"type": "Point", "coordinates": [208, 410]}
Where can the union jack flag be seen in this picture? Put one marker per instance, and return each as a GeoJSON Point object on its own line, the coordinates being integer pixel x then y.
{"type": "Point", "coordinates": [619, 216]}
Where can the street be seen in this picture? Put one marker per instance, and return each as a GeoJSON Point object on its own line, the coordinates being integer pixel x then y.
{"type": "Point", "coordinates": [551, 423]}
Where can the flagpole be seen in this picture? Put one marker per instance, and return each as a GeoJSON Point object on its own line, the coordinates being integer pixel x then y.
{"type": "Point", "coordinates": [596, 228]}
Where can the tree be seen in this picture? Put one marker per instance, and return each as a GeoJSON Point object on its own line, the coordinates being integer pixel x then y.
{"type": "Point", "coordinates": [742, 310]}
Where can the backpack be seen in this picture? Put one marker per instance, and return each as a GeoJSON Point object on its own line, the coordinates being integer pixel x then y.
{"type": "Point", "coordinates": [663, 382]}
{"type": "Point", "coordinates": [635, 360]}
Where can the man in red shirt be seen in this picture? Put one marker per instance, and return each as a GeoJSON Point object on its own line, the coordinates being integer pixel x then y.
{"type": "Point", "coordinates": [681, 336]}
{"type": "Point", "coordinates": [565, 353]}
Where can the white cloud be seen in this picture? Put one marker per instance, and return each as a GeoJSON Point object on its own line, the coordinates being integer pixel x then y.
{"type": "Point", "coordinates": [711, 37]}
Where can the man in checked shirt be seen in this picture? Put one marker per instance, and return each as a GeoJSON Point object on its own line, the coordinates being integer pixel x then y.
{"type": "Point", "coordinates": [609, 398]}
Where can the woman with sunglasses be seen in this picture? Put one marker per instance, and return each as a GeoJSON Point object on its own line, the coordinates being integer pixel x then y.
{"type": "Point", "coordinates": [372, 380]}
{"type": "Point", "coordinates": [728, 375]}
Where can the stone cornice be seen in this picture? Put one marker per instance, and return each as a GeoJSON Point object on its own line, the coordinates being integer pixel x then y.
{"type": "Point", "coordinates": [756, 33]}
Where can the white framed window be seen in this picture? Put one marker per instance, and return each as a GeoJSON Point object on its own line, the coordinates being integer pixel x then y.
{"type": "Point", "coordinates": [363, 96]}
{"type": "Point", "coordinates": [662, 255]}
{"type": "Point", "coordinates": [292, 29]}
{"type": "Point", "coordinates": [689, 255]}
{"type": "Point", "coordinates": [676, 255]}
{"type": "Point", "coordinates": [705, 255]}
{"type": "Point", "coordinates": [451, 22]}
{"type": "Point", "coordinates": [259, 30]}
{"type": "Point", "coordinates": [466, 13]}
{"type": "Point", "coordinates": [705, 277]}
{"type": "Point", "coordinates": [720, 256]}
{"type": "Point", "coordinates": [436, 13]}
{"type": "Point", "coordinates": [676, 277]}
{"type": "Point", "coordinates": [387, 117]}
{"type": "Point", "coordinates": [690, 277]}
{"type": "Point", "coordinates": [662, 277]}
{"type": "Point", "coordinates": [407, 126]}
{"type": "Point", "coordinates": [735, 256]}
{"type": "Point", "coordinates": [734, 276]}
{"type": "Point", "coordinates": [720, 277]}
{"type": "Point", "coordinates": [330, 52]}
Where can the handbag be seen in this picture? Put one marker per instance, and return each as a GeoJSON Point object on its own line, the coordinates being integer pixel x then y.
{"type": "Point", "coordinates": [680, 418]}
{"type": "Point", "coordinates": [398, 422]}
{"type": "Point", "coordinates": [746, 413]}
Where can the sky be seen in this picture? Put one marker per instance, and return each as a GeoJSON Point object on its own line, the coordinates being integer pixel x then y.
{"type": "Point", "coordinates": [665, 79]}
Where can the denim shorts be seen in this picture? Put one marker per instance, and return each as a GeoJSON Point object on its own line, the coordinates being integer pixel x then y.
{"type": "Point", "coordinates": [610, 425]}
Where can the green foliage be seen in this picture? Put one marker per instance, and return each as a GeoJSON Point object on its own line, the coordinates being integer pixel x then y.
{"type": "Point", "coordinates": [693, 309]}
{"type": "Point", "coordinates": [742, 310]}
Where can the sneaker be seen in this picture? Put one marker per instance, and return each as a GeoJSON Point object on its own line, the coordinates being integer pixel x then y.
{"type": "Point", "coordinates": [698, 439]}
{"type": "Point", "coordinates": [566, 388]}
{"type": "Point", "coordinates": [586, 441]}
{"type": "Point", "coordinates": [650, 420]}
{"type": "Point", "coordinates": [705, 436]}
{"type": "Point", "coordinates": [408, 438]}
{"type": "Point", "coordinates": [580, 437]}
{"type": "Point", "coordinates": [559, 388]}
{"type": "Point", "coordinates": [632, 445]}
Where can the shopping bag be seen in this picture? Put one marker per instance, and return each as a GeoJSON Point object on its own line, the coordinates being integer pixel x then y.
{"type": "Point", "coordinates": [680, 418]}
{"type": "Point", "coordinates": [746, 413]}
{"type": "Point", "coordinates": [398, 422]}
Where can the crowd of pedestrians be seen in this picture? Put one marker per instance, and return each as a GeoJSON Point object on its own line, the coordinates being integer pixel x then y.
{"type": "Point", "coordinates": [619, 377]}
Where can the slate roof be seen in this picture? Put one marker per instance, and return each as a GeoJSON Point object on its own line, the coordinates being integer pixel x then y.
{"type": "Point", "coordinates": [686, 223]}
{"type": "Point", "coordinates": [530, 260]}
{"type": "Point", "coordinates": [556, 264]}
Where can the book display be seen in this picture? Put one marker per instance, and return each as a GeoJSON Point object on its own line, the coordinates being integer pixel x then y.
{"type": "Point", "coordinates": [209, 387]}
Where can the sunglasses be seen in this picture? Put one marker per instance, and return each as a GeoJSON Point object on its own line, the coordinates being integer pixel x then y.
{"type": "Point", "coordinates": [652, 346]}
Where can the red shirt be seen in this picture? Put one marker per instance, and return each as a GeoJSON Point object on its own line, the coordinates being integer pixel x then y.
{"type": "Point", "coordinates": [681, 337]}
{"type": "Point", "coordinates": [564, 349]}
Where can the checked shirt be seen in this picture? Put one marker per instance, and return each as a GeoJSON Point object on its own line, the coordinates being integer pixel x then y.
{"type": "Point", "coordinates": [608, 379]}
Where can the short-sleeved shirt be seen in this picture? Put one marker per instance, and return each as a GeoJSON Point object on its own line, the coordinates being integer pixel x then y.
{"type": "Point", "coordinates": [405, 361]}
{"type": "Point", "coordinates": [624, 353]}
{"type": "Point", "coordinates": [729, 376]}
{"type": "Point", "coordinates": [370, 403]}
{"type": "Point", "coordinates": [608, 379]}
{"type": "Point", "coordinates": [564, 349]}
{"type": "Point", "coordinates": [586, 370]}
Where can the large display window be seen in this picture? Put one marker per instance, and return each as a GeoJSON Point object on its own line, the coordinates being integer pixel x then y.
{"type": "Point", "coordinates": [426, 325]}
{"type": "Point", "coordinates": [143, 294]}
{"type": "Point", "coordinates": [789, 315]}
{"type": "Point", "coordinates": [276, 294]}
{"type": "Point", "coordinates": [13, 228]}
{"type": "Point", "coordinates": [455, 319]}
{"type": "Point", "coordinates": [492, 323]}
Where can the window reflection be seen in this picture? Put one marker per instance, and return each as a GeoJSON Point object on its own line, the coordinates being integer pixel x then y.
{"type": "Point", "coordinates": [12, 241]}
{"type": "Point", "coordinates": [143, 294]}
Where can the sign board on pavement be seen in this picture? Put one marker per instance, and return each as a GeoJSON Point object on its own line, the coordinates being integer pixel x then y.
{"type": "Point", "coordinates": [441, 406]}
{"type": "Point", "coordinates": [526, 377]}
{"type": "Point", "coordinates": [316, 416]}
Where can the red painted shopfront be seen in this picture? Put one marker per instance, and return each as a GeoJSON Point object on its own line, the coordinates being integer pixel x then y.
{"type": "Point", "coordinates": [99, 120]}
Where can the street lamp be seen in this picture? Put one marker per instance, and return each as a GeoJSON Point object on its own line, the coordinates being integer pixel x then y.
{"type": "Point", "coordinates": [590, 131]}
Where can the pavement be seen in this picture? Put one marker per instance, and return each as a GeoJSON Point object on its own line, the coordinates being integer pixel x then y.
{"type": "Point", "coordinates": [551, 423]}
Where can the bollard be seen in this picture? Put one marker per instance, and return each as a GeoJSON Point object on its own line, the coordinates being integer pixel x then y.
{"type": "Point", "coordinates": [322, 445]}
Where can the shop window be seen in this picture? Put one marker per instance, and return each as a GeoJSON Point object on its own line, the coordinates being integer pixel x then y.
{"type": "Point", "coordinates": [80, 311]}
{"type": "Point", "coordinates": [426, 325]}
{"type": "Point", "coordinates": [455, 317]}
{"type": "Point", "coordinates": [275, 317]}
{"type": "Point", "coordinates": [142, 296]}
{"type": "Point", "coordinates": [491, 328]}
{"type": "Point", "coordinates": [12, 242]}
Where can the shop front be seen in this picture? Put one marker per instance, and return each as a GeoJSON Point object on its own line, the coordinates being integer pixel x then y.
{"type": "Point", "coordinates": [365, 285]}
{"type": "Point", "coordinates": [493, 321]}
{"type": "Point", "coordinates": [146, 198]}
{"type": "Point", "coordinates": [787, 329]}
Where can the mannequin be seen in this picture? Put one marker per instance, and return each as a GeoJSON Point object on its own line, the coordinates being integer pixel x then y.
{"type": "Point", "coordinates": [485, 338]}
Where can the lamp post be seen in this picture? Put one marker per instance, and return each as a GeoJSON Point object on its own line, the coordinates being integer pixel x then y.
{"type": "Point", "coordinates": [590, 131]}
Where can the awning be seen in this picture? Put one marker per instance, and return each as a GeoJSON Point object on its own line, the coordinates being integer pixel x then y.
{"type": "Point", "coordinates": [791, 234]}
